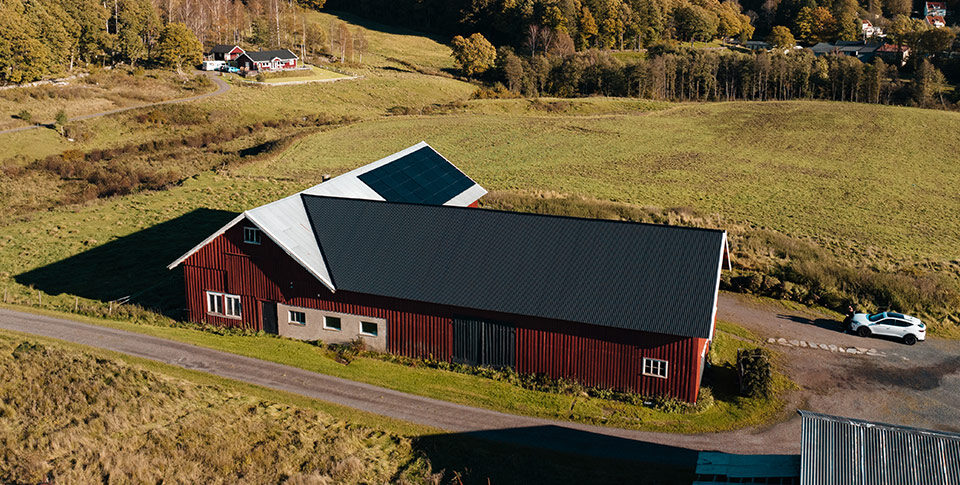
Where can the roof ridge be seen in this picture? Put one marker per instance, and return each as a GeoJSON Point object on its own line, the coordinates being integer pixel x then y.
{"type": "Point", "coordinates": [556, 216]}
{"type": "Point", "coordinates": [858, 421]}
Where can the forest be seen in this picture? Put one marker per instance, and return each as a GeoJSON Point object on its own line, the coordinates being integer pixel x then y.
{"type": "Point", "coordinates": [630, 24]}
{"type": "Point", "coordinates": [684, 74]}
{"type": "Point", "coordinates": [42, 38]}
{"type": "Point", "coordinates": [527, 47]}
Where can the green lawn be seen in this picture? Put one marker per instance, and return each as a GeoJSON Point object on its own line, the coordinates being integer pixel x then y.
{"type": "Point", "coordinates": [312, 73]}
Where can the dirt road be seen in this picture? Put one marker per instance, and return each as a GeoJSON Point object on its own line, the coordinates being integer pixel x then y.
{"type": "Point", "coordinates": [222, 87]}
{"type": "Point", "coordinates": [916, 385]}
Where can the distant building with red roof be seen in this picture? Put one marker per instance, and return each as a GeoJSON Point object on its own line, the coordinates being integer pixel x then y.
{"type": "Point", "coordinates": [934, 14]}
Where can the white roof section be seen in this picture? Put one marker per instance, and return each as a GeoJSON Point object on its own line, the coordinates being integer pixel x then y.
{"type": "Point", "coordinates": [285, 221]}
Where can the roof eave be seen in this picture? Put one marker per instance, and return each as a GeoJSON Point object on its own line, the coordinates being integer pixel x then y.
{"type": "Point", "coordinates": [206, 241]}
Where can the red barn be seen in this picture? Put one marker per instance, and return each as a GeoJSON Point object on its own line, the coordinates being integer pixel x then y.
{"type": "Point", "coordinates": [389, 254]}
{"type": "Point", "coordinates": [267, 60]}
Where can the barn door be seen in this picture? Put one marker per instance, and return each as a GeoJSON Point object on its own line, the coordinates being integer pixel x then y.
{"type": "Point", "coordinates": [268, 312]}
{"type": "Point", "coordinates": [482, 342]}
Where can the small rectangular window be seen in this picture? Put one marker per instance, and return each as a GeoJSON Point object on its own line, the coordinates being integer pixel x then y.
{"type": "Point", "coordinates": [214, 302]}
{"type": "Point", "coordinates": [233, 306]}
{"type": "Point", "coordinates": [298, 318]}
{"type": "Point", "coordinates": [331, 323]}
{"type": "Point", "coordinates": [368, 328]}
{"type": "Point", "coordinates": [655, 367]}
{"type": "Point", "coordinates": [251, 235]}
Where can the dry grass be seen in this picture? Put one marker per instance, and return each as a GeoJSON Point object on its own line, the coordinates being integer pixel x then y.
{"type": "Point", "coordinates": [71, 417]}
{"type": "Point", "coordinates": [102, 90]}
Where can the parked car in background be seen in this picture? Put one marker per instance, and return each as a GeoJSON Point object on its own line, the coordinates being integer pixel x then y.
{"type": "Point", "coordinates": [229, 68]}
{"type": "Point", "coordinates": [907, 328]}
{"type": "Point", "coordinates": [209, 65]}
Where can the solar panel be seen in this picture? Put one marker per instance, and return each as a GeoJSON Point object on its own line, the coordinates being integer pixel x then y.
{"type": "Point", "coordinates": [421, 177]}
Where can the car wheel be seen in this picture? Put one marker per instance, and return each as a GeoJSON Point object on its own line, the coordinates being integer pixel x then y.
{"type": "Point", "coordinates": [863, 331]}
{"type": "Point", "coordinates": [910, 339]}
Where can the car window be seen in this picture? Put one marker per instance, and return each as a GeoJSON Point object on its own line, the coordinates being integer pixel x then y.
{"type": "Point", "coordinates": [899, 323]}
{"type": "Point", "coordinates": [875, 317]}
{"type": "Point", "coordinates": [896, 315]}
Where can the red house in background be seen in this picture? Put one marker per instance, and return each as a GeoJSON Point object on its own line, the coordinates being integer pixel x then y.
{"type": "Point", "coordinates": [391, 253]}
{"type": "Point", "coordinates": [267, 60]}
{"type": "Point", "coordinates": [225, 52]}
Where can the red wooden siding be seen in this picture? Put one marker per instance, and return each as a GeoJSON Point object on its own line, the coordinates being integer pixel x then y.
{"type": "Point", "coordinates": [610, 357]}
{"type": "Point", "coordinates": [596, 356]}
{"type": "Point", "coordinates": [266, 273]}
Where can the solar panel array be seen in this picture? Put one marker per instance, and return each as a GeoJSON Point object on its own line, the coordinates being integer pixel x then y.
{"type": "Point", "coordinates": [422, 177]}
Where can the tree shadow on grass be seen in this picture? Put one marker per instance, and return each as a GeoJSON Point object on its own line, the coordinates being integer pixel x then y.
{"type": "Point", "coordinates": [133, 266]}
{"type": "Point", "coordinates": [555, 454]}
{"type": "Point", "coordinates": [723, 381]}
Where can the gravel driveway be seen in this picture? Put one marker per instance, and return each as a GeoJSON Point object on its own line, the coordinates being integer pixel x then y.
{"type": "Point", "coordinates": [915, 385]}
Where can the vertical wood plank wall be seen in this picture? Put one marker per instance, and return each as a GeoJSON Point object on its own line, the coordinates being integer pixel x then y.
{"type": "Point", "coordinates": [594, 355]}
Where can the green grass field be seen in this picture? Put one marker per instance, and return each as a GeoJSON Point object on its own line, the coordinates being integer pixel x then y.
{"type": "Point", "coordinates": [856, 176]}
{"type": "Point", "coordinates": [311, 74]}
{"type": "Point", "coordinates": [872, 185]}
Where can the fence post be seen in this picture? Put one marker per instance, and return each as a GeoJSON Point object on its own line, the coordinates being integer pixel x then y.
{"type": "Point", "coordinates": [76, 304]}
{"type": "Point", "coordinates": [39, 298]}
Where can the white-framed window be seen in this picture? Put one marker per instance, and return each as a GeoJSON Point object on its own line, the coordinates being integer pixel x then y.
{"type": "Point", "coordinates": [251, 235]}
{"type": "Point", "coordinates": [214, 302]}
{"type": "Point", "coordinates": [331, 323]}
{"type": "Point", "coordinates": [297, 318]}
{"type": "Point", "coordinates": [655, 367]}
{"type": "Point", "coordinates": [224, 304]}
{"type": "Point", "coordinates": [233, 306]}
{"type": "Point", "coordinates": [368, 328]}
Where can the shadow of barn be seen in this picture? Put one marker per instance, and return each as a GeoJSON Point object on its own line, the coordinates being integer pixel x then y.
{"type": "Point", "coordinates": [132, 268]}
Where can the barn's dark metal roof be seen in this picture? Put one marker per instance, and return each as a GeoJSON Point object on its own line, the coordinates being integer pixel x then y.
{"type": "Point", "coordinates": [845, 451]}
{"type": "Point", "coordinates": [617, 274]}
{"type": "Point", "coordinates": [422, 176]}
{"type": "Point", "coordinates": [260, 56]}
{"type": "Point", "coordinates": [223, 48]}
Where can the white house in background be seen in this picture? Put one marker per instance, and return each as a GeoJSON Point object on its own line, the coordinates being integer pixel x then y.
{"type": "Point", "coordinates": [869, 30]}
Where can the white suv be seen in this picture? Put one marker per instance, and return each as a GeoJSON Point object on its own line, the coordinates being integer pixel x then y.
{"type": "Point", "coordinates": [905, 327]}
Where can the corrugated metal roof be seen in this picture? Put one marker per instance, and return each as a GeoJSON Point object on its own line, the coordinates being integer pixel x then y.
{"type": "Point", "coordinates": [618, 274]}
{"type": "Point", "coordinates": [846, 451]}
{"type": "Point", "coordinates": [285, 222]}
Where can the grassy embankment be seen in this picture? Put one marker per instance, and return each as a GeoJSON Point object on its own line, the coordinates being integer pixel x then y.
{"type": "Point", "coordinates": [73, 414]}
{"type": "Point", "coordinates": [311, 74]}
{"type": "Point", "coordinates": [100, 91]}
{"type": "Point", "coordinates": [727, 412]}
